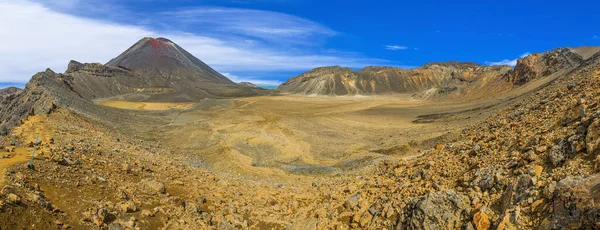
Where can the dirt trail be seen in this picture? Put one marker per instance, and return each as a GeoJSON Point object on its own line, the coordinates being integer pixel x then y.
{"type": "Point", "coordinates": [18, 155]}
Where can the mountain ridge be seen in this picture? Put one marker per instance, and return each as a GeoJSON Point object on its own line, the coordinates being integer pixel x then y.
{"type": "Point", "coordinates": [381, 80]}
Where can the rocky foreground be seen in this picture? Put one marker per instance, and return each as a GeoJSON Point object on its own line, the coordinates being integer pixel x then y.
{"type": "Point", "coordinates": [534, 165]}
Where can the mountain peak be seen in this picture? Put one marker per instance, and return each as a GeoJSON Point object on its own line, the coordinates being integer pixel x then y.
{"type": "Point", "coordinates": [156, 42]}
{"type": "Point", "coordinates": [162, 58]}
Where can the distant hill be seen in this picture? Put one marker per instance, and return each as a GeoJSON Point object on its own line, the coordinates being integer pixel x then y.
{"type": "Point", "coordinates": [9, 90]}
{"type": "Point", "coordinates": [249, 84]}
{"type": "Point", "coordinates": [389, 80]}
{"type": "Point", "coordinates": [438, 78]}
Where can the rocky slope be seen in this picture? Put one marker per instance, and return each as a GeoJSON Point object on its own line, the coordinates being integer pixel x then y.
{"type": "Point", "coordinates": [539, 65]}
{"type": "Point", "coordinates": [43, 94]}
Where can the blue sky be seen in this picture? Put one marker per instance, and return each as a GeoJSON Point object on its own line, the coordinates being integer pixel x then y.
{"type": "Point", "coordinates": [269, 41]}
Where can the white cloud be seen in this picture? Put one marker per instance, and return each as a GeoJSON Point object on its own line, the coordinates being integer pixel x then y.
{"type": "Point", "coordinates": [34, 38]}
{"type": "Point", "coordinates": [256, 24]}
{"type": "Point", "coordinates": [512, 62]}
{"type": "Point", "coordinates": [395, 47]}
{"type": "Point", "coordinates": [255, 80]}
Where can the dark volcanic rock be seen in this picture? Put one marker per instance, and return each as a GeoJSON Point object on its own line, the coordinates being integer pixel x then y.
{"type": "Point", "coordinates": [440, 210]}
{"type": "Point", "coordinates": [576, 204]}
{"type": "Point", "coordinates": [517, 191]}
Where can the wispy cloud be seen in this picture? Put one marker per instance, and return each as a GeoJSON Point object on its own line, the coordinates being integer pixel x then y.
{"type": "Point", "coordinates": [41, 37]}
{"type": "Point", "coordinates": [394, 47]}
{"type": "Point", "coordinates": [595, 37]}
{"type": "Point", "coordinates": [509, 62]}
{"type": "Point", "coordinates": [255, 24]}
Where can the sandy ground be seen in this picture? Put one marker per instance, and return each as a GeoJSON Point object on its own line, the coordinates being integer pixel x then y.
{"type": "Point", "coordinates": [145, 105]}
{"type": "Point", "coordinates": [275, 136]}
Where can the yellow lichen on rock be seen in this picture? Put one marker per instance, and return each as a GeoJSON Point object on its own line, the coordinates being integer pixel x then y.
{"type": "Point", "coordinates": [481, 221]}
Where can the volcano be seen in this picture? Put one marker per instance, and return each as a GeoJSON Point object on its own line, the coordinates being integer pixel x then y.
{"type": "Point", "coordinates": [159, 63]}
{"type": "Point", "coordinates": [161, 58]}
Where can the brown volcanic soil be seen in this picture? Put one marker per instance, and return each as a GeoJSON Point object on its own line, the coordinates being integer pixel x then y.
{"type": "Point", "coordinates": [261, 162]}
{"type": "Point", "coordinates": [521, 160]}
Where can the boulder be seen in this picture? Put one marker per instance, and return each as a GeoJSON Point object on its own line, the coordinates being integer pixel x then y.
{"type": "Point", "coordinates": [128, 207]}
{"type": "Point", "coordinates": [572, 114]}
{"type": "Point", "coordinates": [485, 178]}
{"type": "Point", "coordinates": [575, 204]}
{"type": "Point", "coordinates": [101, 216]}
{"type": "Point", "coordinates": [352, 202]}
{"type": "Point", "coordinates": [7, 189]}
{"type": "Point", "coordinates": [560, 151]}
{"type": "Point", "coordinates": [154, 186]}
{"type": "Point", "coordinates": [510, 220]}
{"type": "Point", "coordinates": [517, 191]}
{"type": "Point", "coordinates": [40, 200]}
{"type": "Point", "coordinates": [481, 221]}
{"type": "Point", "coordinates": [592, 139]}
{"type": "Point", "coordinates": [13, 198]}
{"type": "Point", "coordinates": [440, 210]}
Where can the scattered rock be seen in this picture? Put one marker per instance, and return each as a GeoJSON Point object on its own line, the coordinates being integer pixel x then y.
{"type": "Point", "coordinates": [575, 204]}
{"type": "Point", "coordinates": [100, 216]}
{"type": "Point", "coordinates": [365, 219]}
{"type": "Point", "coordinates": [536, 204]}
{"type": "Point", "coordinates": [352, 202]}
{"type": "Point", "coordinates": [481, 221]}
{"type": "Point", "coordinates": [147, 213]}
{"type": "Point", "coordinates": [126, 167]}
{"type": "Point", "coordinates": [128, 206]}
{"type": "Point", "coordinates": [439, 147]}
{"type": "Point", "coordinates": [13, 198]}
{"type": "Point", "coordinates": [559, 152]}
{"type": "Point", "coordinates": [572, 114]}
{"type": "Point", "coordinates": [538, 170]}
{"type": "Point", "coordinates": [549, 190]}
{"type": "Point", "coordinates": [485, 177]}
{"type": "Point", "coordinates": [517, 191]}
{"type": "Point", "coordinates": [40, 200]}
{"type": "Point", "coordinates": [7, 189]}
{"type": "Point", "coordinates": [592, 140]}
{"type": "Point", "coordinates": [155, 186]}
{"type": "Point", "coordinates": [510, 220]}
{"type": "Point", "coordinates": [440, 210]}
{"type": "Point", "coordinates": [530, 156]}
